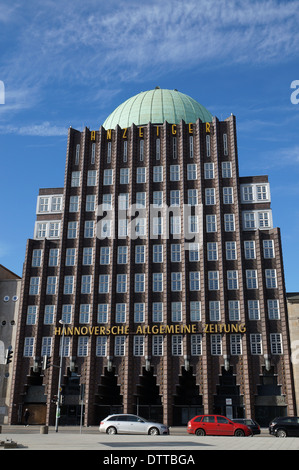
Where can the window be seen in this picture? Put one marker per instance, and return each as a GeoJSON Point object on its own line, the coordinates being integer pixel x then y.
{"type": "Point", "coordinates": [196, 345]}
{"type": "Point", "coordinates": [176, 311]}
{"type": "Point", "coordinates": [41, 230]}
{"type": "Point", "coordinates": [104, 283]}
{"type": "Point", "coordinates": [36, 258]}
{"type": "Point", "coordinates": [213, 280]}
{"type": "Point", "coordinates": [77, 154]}
{"type": "Point", "coordinates": [194, 281]}
{"type": "Point", "coordinates": [102, 313]}
{"type": "Point", "coordinates": [46, 349]}
{"type": "Point", "coordinates": [268, 246]}
{"type": "Point", "coordinates": [122, 255]}
{"type": "Point", "coordinates": [251, 279]}
{"type": "Point", "coordinates": [192, 197]}
{"type": "Point", "coordinates": [84, 313]}
{"type": "Point", "coordinates": [70, 257]}
{"type": "Point", "coordinates": [210, 196]}
{"type": "Point", "coordinates": [175, 197]}
{"type": "Point", "coordinates": [273, 309]}
{"type": "Point", "coordinates": [141, 150]}
{"type": "Point", "coordinates": [119, 345]}
{"type": "Point", "coordinates": [216, 345]}
{"type": "Point", "coordinates": [141, 175]}
{"type": "Point", "coordinates": [175, 253]}
{"type": "Point", "coordinates": [231, 250]}
{"type": "Point", "coordinates": [91, 178]}
{"type": "Point", "coordinates": [157, 253]}
{"type": "Point", "coordinates": [139, 282]}
{"type": "Point", "coordinates": [256, 343]}
{"type": "Point", "coordinates": [93, 153]}
{"type": "Point", "coordinates": [140, 254]}
{"type": "Point", "coordinates": [247, 192]}
{"type": "Point", "coordinates": [158, 149]}
{"type": "Point", "coordinates": [101, 346]}
{"type": "Point", "coordinates": [157, 312]}
{"type": "Point", "coordinates": [249, 220]}
{"type": "Point", "coordinates": [271, 280]}
{"type": "Point", "coordinates": [88, 255]}
{"type": "Point", "coordinates": [122, 227]}
{"type": "Point", "coordinates": [193, 223]}
{"type": "Point", "coordinates": [211, 223]}
{"type": "Point", "coordinates": [261, 193]}
{"type": "Point", "coordinates": [234, 310]}
{"type": "Point", "coordinates": [208, 145]}
{"type": "Point", "coordinates": [249, 248]}
{"type": "Point", "coordinates": [125, 151]}
{"type": "Point", "coordinates": [191, 171]}
{"type": "Point", "coordinates": [212, 251]}
{"type": "Point", "coordinates": [195, 311]}
{"type": "Point", "coordinates": [67, 310]}
{"type": "Point", "coordinates": [176, 282]}
{"type": "Point", "coordinates": [72, 230]}
{"type": "Point", "coordinates": [228, 197]}
{"type": "Point", "coordinates": [51, 285]}
{"type": "Point", "coordinates": [82, 350]}
{"type": "Point", "coordinates": [104, 255]}
{"type": "Point", "coordinates": [157, 345]}
{"type": "Point", "coordinates": [65, 351]}
{"type": "Point", "coordinates": [235, 345]}
{"type": "Point", "coordinates": [90, 203]}
{"type": "Point", "coordinates": [139, 312]}
{"type": "Point", "coordinates": [276, 343]}
{"type": "Point", "coordinates": [140, 200]}
{"type": "Point", "coordinates": [124, 176]}
{"type": "Point", "coordinates": [174, 172]}
{"type": "Point", "coordinates": [232, 280]}
{"type": "Point", "coordinates": [43, 204]}
{"type": "Point", "coordinates": [229, 222]}
{"type": "Point", "coordinates": [157, 174]}
{"type": "Point", "coordinates": [157, 282]}
{"type": "Point", "coordinates": [140, 228]}
{"type": "Point", "coordinates": [75, 181]}
{"type": "Point", "coordinates": [86, 281]}
{"type": "Point", "coordinates": [191, 146]}
{"type": "Point", "coordinates": [53, 256]}
{"type": "Point", "coordinates": [193, 252]}
{"type": "Point", "coordinates": [109, 152]}
{"type": "Point", "coordinates": [157, 198]}
{"type": "Point", "coordinates": [177, 345]}
{"type": "Point", "coordinates": [56, 203]}
{"type": "Point", "coordinates": [253, 309]}
{"type": "Point", "coordinates": [108, 177]}
{"type": "Point", "coordinates": [226, 169]}
{"type": "Point", "coordinates": [28, 347]}
{"type": "Point", "coordinates": [175, 225]}
{"type": "Point", "coordinates": [138, 345]}
{"type": "Point", "coordinates": [31, 315]}
{"type": "Point", "coordinates": [107, 202]}
{"type": "Point", "coordinates": [120, 313]}
{"type": "Point", "coordinates": [157, 225]}
{"type": "Point", "coordinates": [121, 283]}
{"type": "Point", "coordinates": [34, 286]}
{"type": "Point", "coordinates": [54, 229]}
{"type": "Point", "coordinates": [264, 219]}
{"type": "Point", "coordinates": [74, 204]}
{"type": "Point", "coordinates": [49, 314]}
{"type": "Point", "coordinates": [209, 171]}
{"type": "Point", "coordinates": [214, 310]}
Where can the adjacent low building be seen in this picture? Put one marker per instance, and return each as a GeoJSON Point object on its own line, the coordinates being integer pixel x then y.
{"type": "Point", "coordinates": [157, 273]}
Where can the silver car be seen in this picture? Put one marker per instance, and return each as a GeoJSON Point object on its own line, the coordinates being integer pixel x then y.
{"type": "Point", "coordinates": [126, 423]}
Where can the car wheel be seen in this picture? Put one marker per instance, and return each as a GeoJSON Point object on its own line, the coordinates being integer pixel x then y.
{"type": "Point", "coordinates": [239, 433]}
{"type": "Point", "coordinates": [200, 432]}
{"type": "Point", "coordinates": [281, 433]}
{"type": "Point", "coordinates": [154, 431]}
{"type": "Point", "coordinates": [111, 430]}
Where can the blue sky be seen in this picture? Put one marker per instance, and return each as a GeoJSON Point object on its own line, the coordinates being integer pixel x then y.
{"type": "Point", "coordinates": [70, 63]}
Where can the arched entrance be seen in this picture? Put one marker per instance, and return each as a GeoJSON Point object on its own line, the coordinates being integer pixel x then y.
{"type": "Point", "coordinates": [187, 400]}
{"type": "Point", "coordinates": [148, 402]}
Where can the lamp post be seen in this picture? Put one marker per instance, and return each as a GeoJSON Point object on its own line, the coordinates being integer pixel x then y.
{"type": "Point", "coordinates": [59, 379]}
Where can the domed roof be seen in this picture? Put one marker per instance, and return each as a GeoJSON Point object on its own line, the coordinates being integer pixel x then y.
{"type": "Point", "coordinates": [157, 106]}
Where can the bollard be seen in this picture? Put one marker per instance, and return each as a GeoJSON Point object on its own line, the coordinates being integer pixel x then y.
{"type": "Point", "coordinates": [44, 430]}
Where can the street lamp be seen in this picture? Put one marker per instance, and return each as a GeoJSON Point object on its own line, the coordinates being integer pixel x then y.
{"type": "Point", "coordinates": [59, 380]}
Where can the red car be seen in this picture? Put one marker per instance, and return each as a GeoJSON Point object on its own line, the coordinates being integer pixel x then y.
{"type": "Point", "coordinates": [216, 425]}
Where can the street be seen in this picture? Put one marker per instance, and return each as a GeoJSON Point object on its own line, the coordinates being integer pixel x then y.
{"type": "Point", "coordinates": [177, 443]}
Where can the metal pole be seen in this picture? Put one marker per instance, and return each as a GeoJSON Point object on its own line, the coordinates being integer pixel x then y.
{"type": "Point", "coordinates": [59, 379]}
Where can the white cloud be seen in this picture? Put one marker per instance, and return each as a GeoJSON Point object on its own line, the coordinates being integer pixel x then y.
{"type": "Point", "coordinates": [46, 129]}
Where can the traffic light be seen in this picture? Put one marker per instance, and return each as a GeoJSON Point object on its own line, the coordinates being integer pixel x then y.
{"type": "Point", "coordinates": [54, 399]}
{"type": "Point", "coordinates": [46, 362]}
{"type": "Point", "coordinates": [8, 355]}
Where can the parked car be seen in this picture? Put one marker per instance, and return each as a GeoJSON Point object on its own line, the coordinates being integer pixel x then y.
{"type": "Point", "coordinates": [127, 423]}
{"type": "Point", "coordinates": [284, 426]}
{"type": "Point", "coordinates": [253, 425]}
{"type": "Point", "coordinates": [216, 425]}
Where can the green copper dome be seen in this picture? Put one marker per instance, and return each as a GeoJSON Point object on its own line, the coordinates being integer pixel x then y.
{"type": "Point", "coordinates": [157, 106]}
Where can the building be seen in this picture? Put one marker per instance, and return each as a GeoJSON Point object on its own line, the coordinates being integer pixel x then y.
{"type": "Point", "coordinates": [293, 316]}
{"type": "Point", "coordinates": [164, 267]}
{"type": "Point", "coordinates": [10, 288]}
